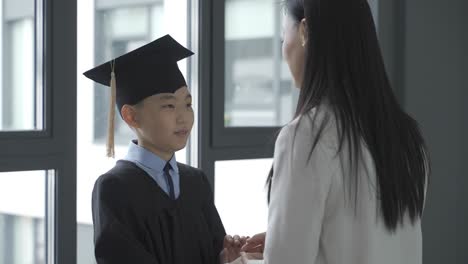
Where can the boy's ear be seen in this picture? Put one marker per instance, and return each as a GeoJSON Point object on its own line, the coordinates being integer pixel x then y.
{"type": "Point", "coordinates": [129, 115]}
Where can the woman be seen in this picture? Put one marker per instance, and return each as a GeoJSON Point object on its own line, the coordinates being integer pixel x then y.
{"type": "Point", "coordinates": [349, 176]}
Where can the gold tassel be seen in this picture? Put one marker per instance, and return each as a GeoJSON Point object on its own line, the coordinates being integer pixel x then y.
{"type": "Point", "coordinates": [111, 117]}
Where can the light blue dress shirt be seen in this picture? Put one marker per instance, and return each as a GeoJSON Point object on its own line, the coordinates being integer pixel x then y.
{"type": "Point", "coordinates": [154, 166]}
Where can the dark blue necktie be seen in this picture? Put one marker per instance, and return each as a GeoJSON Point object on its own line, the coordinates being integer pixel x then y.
{"type": "Point", "coordinates": [169, 181]}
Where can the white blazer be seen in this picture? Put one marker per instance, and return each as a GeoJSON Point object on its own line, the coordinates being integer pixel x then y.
{"type": "Point", "coordinates": [312, 219]}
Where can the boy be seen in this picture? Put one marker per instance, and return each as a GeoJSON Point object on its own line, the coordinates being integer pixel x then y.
{"type": "Point", "coordinates": [149, 208]}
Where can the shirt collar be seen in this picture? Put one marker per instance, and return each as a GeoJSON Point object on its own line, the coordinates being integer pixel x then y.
{"type": "Point", "coordinates": [148, 158]}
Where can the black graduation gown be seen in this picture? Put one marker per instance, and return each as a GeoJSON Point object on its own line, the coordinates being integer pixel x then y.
{"type": "Point", "coordinates": [135, 221]}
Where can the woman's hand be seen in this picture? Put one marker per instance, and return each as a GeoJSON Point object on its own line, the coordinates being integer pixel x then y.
{"type": "Point", "coordinates": [255, 244]}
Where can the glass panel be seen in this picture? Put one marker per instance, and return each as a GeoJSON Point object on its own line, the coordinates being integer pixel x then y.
{"type": "Point", "coordinates": [240, 195]}
{"type": "Point", "coordinates": [20, 98]}
{"type": "Point", "coordinates": [258, 86]}
{"type": "Point", "coordinates": [115, 27]}
{"type": "Point", "coordinates": [22, 217]}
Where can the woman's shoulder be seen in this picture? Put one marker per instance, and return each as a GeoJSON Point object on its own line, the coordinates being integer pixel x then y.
{"type": "Point", "coordinates": [305, 128]}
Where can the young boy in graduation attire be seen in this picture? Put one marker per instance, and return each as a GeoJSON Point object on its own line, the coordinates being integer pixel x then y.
{"type": "Point", "coordinates": [150, 209]}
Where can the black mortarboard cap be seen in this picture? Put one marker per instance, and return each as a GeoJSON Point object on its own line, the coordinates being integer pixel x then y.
{"type": "Point", "coordinates": [143, 72]}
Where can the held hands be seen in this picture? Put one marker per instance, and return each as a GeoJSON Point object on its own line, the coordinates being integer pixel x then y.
{"type": "Point", "coordinates": [253, 248]}
{"type": "Point", "coordinates": [241, 249]}
{"type": "Point", "coordinates": [232, 248]}
{"type": "Point", "coordinates": [255, 244]}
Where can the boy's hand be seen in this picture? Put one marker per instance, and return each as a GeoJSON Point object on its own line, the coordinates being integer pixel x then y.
{"type": "Point", "coordinates": [232, 248]}
{"type": "Point", "coordinates": [255, 244]}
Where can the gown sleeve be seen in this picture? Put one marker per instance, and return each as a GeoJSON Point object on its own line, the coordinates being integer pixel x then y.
{"type": "Point", "coordinates": [115, 237]}
{"type": "Point", "coordinates": [212, 217]}
{"type": "Point", "coordinates": [298, 197]}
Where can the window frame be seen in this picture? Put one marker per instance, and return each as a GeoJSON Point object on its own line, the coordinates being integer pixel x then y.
{"type": "Point", "coordinates": [54, 147]}
{"type": "Point", "coordinates": [228, 137]}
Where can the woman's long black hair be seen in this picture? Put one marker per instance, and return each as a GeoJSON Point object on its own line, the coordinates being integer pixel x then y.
{"type": "Point", "coordinates": [344, 66]}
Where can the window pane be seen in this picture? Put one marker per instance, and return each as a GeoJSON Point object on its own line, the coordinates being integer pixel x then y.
{"type": "Point", "coordinates": [22, 214]}
{"type": "Point", "coordinates": [107, 29]}
{"type": "Point", "coordinates": [258, 86]}
{"type": "Point", "coordinates": [20, 97]}
{"type": "Point", "coordinates": [240, 195]}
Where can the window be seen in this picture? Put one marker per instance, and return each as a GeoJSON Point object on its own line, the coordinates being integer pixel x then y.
{"type": "Point", "coordinates": [20, 94]}
{"type": "Point", "coordinates": [23, 226]}
{"type": "Point", "coordinates": [240, 195]}
{"type": "Point", "coordinates": [258, 86]}
{"type": "Point", "coordinates": [34, 78]}
{"type": "Point", "coordinates": [37, 164]}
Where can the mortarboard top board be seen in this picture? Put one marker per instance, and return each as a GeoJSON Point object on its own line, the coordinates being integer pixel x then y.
{"type": "Point", "coordinates": [143, 72]}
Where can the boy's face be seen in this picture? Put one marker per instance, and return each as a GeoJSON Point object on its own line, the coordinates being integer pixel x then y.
{"type": "Point", "coordinates": [164, 121]}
